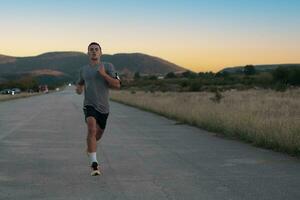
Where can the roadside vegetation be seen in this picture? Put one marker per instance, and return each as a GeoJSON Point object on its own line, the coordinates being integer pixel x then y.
{"type": "Point", "coordinates": [279, 79]}
{"type": "Point", "coordinates": [262, 108]}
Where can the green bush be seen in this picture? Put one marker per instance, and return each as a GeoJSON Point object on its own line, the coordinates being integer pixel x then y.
{"type": "Point", "coordinates": [195, 86]}
{"type": "Point", "coordinates": [170, 75]}
{"type": "Point", "coordinates": [286, 75]}
{"type": "Point", "coordinates": [281, 87]}
{"type": "Point", "coordinates": [264, 79]}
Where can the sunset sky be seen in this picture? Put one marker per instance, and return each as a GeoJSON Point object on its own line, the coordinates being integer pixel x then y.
{"type": "Point", "coordinates": [199, 35]}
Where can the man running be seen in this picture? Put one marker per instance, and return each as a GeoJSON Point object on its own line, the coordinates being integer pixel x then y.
{"type": "Point", "coordinates": [95, 79]}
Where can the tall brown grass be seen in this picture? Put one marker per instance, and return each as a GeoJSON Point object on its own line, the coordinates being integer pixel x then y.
{"type": "Point", "coordinates": [265, 118]}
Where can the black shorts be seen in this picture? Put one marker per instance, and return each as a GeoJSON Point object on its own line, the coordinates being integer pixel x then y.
{"type": "Point", "coordinates": [101, 118]}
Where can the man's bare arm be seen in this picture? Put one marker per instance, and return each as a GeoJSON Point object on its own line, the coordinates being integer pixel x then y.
{"type": "Point", "coordinates": [112, 82]}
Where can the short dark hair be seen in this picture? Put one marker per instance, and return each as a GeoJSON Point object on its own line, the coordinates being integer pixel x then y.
{"type": "Point", "coordinates": [94, 43]}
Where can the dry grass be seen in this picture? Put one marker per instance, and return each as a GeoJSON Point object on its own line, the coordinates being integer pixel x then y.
{"type": "Point", "coordinates": [263, 117]}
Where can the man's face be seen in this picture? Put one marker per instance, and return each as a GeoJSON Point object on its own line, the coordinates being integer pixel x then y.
{"type": "Point", "coordinates": [94, 52]}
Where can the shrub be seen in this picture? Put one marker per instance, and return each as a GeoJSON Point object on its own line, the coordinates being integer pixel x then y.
{"type": "Point", "coordinates": [195, 86]}
{"type": "Point", "coordinates": [217, 98]}
{"type": "Point", "coordinates": [170, 75]}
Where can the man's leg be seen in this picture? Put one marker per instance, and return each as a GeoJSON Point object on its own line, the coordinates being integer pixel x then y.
{"type": "Point", "coordinates": [91, 136]}
{"type": "Point", "coordinates": [99, 133]}
{"type": "Point", "coordinates": [92, 145]}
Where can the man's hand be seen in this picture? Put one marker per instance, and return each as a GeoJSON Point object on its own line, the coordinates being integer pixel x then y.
{"type": "Point", "coordinates": [113, 83]}
{"type": "Point", "coordinates": [79, 89]}
{"type": "Point", "coordinates": [102, 71]}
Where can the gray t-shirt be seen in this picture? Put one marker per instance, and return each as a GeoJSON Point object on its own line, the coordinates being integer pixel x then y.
{"type": "Point", "coordinates": [96, 88]}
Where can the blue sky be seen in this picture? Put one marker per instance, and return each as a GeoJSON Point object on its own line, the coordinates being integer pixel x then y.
{"type": "Point", "coordinates": [200, 35]}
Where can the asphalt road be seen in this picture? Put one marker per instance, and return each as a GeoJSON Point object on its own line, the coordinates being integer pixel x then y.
{"type": "Point", "coordinates": [143, 156]}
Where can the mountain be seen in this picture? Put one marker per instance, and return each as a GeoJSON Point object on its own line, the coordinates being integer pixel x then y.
{"type": "Point", "coordinates": [259, 68]}
{"type": "Point", "coordinates": [6, 59]}
{"type": "Point", "coordinates": [137, 62]}
{"type": "Point", "coordinates": [66, 65]}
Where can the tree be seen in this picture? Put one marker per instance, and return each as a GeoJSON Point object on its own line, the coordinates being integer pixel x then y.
{"type": "Point", "coordinates": [137, 75]}
{"type": "Point", "coordinates": [281, 74]}
{"type": "Point", "coordinates": [249, 70]}
{"type": "Point", "coordinates": [24, 83]}
{"type": "Point", "coordinates": [223, 74]}
{"type": "Point", "coordinates": [294, 76]}
{"type": "Point", "coordinates": [195, 85]}
{"type": "Point", "coordinates": [189, 74]}
{"type": "Point", "coordinates": [208, 75]}
{"type": "Point", "coordinates": [152, 77]}
{"type": "Point", "coordinates": [170, 75]}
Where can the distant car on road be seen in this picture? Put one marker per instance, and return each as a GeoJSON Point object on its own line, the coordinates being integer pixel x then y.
{"type": "Point", "coordinates": [6, 91]}
{"type": "Point", "coordinates": [16, 90]}
{"type": "Point", "coordinates": [43, 88]}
